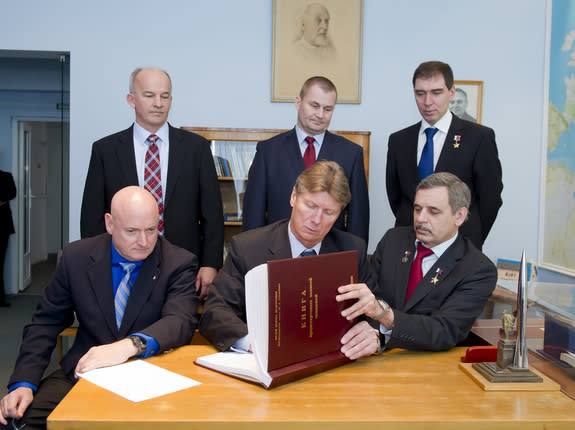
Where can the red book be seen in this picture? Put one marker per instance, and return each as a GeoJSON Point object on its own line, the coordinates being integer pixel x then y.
{"type": "Point", "coordinates": [294, 322]}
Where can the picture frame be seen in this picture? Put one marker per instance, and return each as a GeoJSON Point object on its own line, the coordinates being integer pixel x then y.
{"type": "Point", "coordinates": [467, 102]}
{"type": "Point", "coordinates": [317, 38]}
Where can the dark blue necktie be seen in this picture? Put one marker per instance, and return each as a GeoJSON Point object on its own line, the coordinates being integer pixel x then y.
{"type": "Point", "coordinates": [425, 166]}
{"type": "Point", "coordinates": [307, 253]}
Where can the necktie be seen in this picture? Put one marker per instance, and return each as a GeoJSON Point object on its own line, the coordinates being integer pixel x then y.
{"type": "Point", "coordinates": [416, 274]}
{"type": "Point", "coordinates": [307, 253]}
{"type": "Point", "coordinates": [309, 154]}
{"type": "Point", "coordinates": [123, 292]}
{"type": "Point", "coordinates": [426, 161]}
{"type": "Point", "coordinates": [153, 177]}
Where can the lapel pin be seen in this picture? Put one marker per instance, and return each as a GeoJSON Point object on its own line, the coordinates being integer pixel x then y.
{"type": "Point", "coordinates": [405, 257]}
{"type": "Point", "coordinates": [435, 279]}
{"type": "Point", "coordinates": [456, 139]}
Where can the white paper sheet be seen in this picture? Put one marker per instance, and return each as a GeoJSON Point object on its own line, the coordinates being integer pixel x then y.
{"type": "Point", "coordinates": [138, 380]}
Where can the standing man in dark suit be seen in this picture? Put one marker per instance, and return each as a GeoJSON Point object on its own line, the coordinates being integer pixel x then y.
{"type": "Point", "coordinates": [133, 294]}
{"type": "Point", "coordinates": [466, 149]}
{"type": "Point", "coordinates": [175, 165]}
{"type": "Point", "coordinates": [432, 283]}
{"type": "Point", "coordinates": [317, 198]}
{"type": "Point", "coordinates": [279, 161]}
{"type": "Point", "coordinates": [7, 193]}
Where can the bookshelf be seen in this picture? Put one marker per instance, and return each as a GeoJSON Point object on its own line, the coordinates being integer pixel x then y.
{"type": "Point", "coordinates": [233, 150]}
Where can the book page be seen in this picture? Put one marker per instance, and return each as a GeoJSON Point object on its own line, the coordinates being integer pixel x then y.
{"type": "Point", "coordinates": [257, 314]}
{"type": "Point", "coordinates": [238, 364]}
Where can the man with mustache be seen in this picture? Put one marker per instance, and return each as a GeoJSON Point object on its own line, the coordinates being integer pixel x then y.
{"type": "Point", "coordinates": [443, 142]}
{"type": "Point", "coordinates": [432, 283]}
{"type": "Point", "coordinates": [174, 165]}
{"type": "Point", "coordinates": [314, 42]}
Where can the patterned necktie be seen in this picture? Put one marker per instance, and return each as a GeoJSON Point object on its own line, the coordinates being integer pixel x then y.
{"type": "Point", "coordinates": [416, 274]}
{"type": "Point", "coordinates": [307, 253]}
{"type": "Point", "coordinates": [153, 177]}
{"type": "Point", "coordinates": [123, 292]}
{"type": "Point", "coordinates": [309, 154]}
{"type": "Point", "coordinates": [426, 161]}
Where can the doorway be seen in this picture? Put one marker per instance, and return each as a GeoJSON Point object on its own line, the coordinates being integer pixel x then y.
{"type": "Point", "coordinates": [43, 199]}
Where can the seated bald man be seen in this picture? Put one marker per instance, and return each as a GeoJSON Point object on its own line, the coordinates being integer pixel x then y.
{"type": "Point", "coordinates": [133, 294]}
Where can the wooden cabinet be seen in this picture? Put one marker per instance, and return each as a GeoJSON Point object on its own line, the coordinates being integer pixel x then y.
{"type": "Point", "coordinates": [233, 150]}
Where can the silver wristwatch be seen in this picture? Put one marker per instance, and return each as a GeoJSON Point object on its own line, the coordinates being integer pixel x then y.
{"type": "Point", "coordinates": [140, 343]}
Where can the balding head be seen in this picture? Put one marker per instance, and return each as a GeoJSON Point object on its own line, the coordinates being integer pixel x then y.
{"type": "Point", "coordinates": [133, 223]}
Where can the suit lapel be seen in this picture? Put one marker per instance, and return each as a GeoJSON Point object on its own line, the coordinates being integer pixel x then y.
{"type": "Point", "coordinates": [278, 244]}
{"type": "Point", "coordinates": [100, 276]}
{"type": "Point", "coordinates": [127, 157]}
{"type": "Point", "coordinates": [409, 151]}
{"type": "Point", "coordinates": [174, 163]}
{"type": "Point", "coordinates": [402, 268]}
{"type": "Point", "coordinates": [293, 153]}
{"type": "Point", "coordinates": [436, 275]}
{"type": "Point", "coordinates": [457, 128]}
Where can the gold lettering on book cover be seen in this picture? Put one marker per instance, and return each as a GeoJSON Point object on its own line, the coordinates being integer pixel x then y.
{"type": "Point", "coordinates": [310, 300]}
{"type": "Point", "coordinates": [303, 309]}
{"type": "Point", "coordinates": [277, 315]}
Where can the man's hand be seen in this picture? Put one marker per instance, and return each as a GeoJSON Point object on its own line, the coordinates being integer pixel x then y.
{"type": "Point", "coordinates": [106, 355]}
{"type": "Point", "coordinates": [359, 341]}
{"type": "Point", "coordinates": [366, 303]}
{"type": "Point", "coordinates": [15, 403]}
{"type": "Point", "coordinates": [205, 277]}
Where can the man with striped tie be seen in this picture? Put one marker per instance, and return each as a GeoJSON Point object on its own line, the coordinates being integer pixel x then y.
{"type": "Point", "coordinates": [132, 292]}
{"type": "Point", "coordinates": [174, 165]}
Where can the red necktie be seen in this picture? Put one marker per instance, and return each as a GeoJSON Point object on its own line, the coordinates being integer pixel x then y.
{"type": "Point", "coordinates": [153, 177]}
{"type": "Point", "coordinates": [416, 274]}
{"type": "Point", "coordinates": [309, 154]}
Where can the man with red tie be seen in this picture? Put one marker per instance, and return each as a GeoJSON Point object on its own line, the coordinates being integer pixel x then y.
{"type": "Point", "coordinates": [432, 283]}
{"type": "Point", "coordinates": [174, 165]}
{"type": "Point", "coordinates": [279, 161]}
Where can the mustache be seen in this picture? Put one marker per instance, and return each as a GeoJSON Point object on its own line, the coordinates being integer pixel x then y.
{"type": "Point", "coordinates": [422, 227]}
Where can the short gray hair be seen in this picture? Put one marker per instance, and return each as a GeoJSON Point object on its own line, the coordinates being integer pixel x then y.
{"type": "Point", "coordinates": [457, 190]}
{"type": "Point", "coordinates": [138, 70]}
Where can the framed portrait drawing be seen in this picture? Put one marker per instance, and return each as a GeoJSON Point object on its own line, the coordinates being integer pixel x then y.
{"type": "Point", "coordinates": [466, 103]}
{"type": "Point", "coordinates": [317, 37]}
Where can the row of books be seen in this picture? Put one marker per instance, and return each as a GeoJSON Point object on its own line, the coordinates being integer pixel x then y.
{"type": "Point", "coordinates": [233, 158]}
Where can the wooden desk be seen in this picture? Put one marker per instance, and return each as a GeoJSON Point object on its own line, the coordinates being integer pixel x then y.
{"type": "Point", "coordinates": [399, 390]}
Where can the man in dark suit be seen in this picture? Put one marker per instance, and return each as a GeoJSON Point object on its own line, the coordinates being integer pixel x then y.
{"type": "Point", "coordinates": [7, 193]}
{"type": "Point", "coordinates": [187, 188]}
{"type": "Point", "coordinates": [432, 283]}
{"type": "Point", "coordinates": [463, 148]}
{"type": "Point", "coordinates": [94, 280]}
{"type": "Point", "coordinates": [319, 195]}
{"type": "Point", "coordinates": [279, 161]}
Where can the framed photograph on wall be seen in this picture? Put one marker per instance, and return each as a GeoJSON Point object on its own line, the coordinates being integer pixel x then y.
{"type": "Point", "coordinates": [317, 37]}
{"type": "Point", "coordinates": [466, 103]}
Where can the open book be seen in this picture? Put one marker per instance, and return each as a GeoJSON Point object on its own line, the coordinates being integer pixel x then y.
{"type": "Point", "coordinates": [294, 322]}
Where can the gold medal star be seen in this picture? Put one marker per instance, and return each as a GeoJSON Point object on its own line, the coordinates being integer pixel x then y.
{"type": "Point", "coordinates": [456, 145]}
{"type": "Point", "coordinates": [434, 280]}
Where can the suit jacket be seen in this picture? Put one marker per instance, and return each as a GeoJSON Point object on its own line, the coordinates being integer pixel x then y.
{"type": "Point", "coordinates": [446, 302]}
{"type": "Point", "coordinates": [278, 163]}
{"type": "Point", "coordinates": [162, 304]}
{"type": "Point", "coordinates": [7, 193]}
{"type": "Point", "coordinates": [193, 217]}
{"type": "Point", "coordinates": [223, 319]}
{"type": "Point", "coordinates": [475, 161]}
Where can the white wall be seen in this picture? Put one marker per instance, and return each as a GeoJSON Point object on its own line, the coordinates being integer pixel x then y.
{"type": "Point", "coordinates": [219, 56]}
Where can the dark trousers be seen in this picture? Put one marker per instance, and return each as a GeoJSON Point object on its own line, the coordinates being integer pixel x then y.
{"type": "Point", "coordinates": [51, 391]}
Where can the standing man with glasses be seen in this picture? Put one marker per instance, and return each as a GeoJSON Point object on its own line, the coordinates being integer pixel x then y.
{"type": "Point", "coordinates": [174, 165]}
{"type": "Point", "coordinates": [442, 142]}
